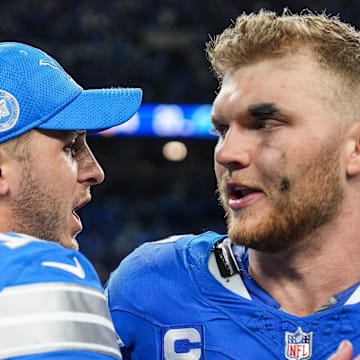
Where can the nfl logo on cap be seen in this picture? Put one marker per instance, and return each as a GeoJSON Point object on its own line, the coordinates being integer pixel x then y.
{"type": "Point", "coordinates": [298, 345]}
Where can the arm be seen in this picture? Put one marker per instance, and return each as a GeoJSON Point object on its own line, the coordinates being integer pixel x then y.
{"type": "Point", "coordinates": [51, 304]}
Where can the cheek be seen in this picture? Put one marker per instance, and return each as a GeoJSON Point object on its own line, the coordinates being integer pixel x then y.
{"type": "Point", "coordinates": [284, 185]}
{"type": "Point", "coordinates": [276, 170]}
{"type": "Point", "coordinates": [278, 158]}
{"type": "Point", "coordinates": [69, 167]}
{"type": "Point", "coordinates": [271, 161]}
{"type": "Point", "coordinates": [274, 151]}
{"type": "Point", "coordinates": [65, 175]}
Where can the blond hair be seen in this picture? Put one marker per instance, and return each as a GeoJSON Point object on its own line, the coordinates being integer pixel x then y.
{"type": "Point", "coordinates": [256, 36]}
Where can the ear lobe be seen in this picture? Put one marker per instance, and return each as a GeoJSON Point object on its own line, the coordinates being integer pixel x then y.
{"type": "Point", "coordinates": [4, 185]}
{"type": "Point", "coordinates": [353, 159]}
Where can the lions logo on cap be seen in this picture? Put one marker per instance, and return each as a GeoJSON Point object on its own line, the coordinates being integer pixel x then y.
{"type": "Point", "coordinates": [9, 111]}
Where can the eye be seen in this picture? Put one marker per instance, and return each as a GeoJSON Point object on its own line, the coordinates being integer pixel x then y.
{"type": "Point", "coordinates": [72, 148]}
{"type": "Point", "coordinates": [266, 124]}
{"type": "Point", "coordinates": [219, 130]}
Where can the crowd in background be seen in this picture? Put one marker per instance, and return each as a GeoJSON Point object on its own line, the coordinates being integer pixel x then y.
{"type": "Point", "coordinates": [157, 45]}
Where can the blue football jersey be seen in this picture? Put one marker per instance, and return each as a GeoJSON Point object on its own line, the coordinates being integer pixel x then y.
{"type": "Point", "coordinates": [170, 301]}
{"type": "Point", "coordinates": [52, 305]}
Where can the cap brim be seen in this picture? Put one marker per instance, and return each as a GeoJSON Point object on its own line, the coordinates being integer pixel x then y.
{"type": "Point", "coordinates": [96, 110]}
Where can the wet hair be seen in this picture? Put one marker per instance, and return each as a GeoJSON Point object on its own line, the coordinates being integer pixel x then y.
{"type": "Point", "coordinates": [265, 34]}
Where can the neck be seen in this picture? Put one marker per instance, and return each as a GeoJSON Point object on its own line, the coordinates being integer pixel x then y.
{"type": "Point", "coordinates": [305, 277]}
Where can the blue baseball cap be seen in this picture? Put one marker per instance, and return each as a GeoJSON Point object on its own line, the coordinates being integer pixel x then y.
{"type": "Point", "coordinates": [36, 92]}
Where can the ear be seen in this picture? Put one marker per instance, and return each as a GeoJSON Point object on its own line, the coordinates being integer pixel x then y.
{"type": "Point", "coordinates": [353, 151]}
{"type": "Point", "coordinates": [4, 183]}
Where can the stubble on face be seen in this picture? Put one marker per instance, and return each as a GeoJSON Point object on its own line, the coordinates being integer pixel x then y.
{"type": "Point", "coordinates": [298, 203]}
{"type": "Point", "coordinates": [36, 209]}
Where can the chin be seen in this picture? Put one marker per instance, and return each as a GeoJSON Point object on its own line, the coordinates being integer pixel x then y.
{"type": "Point", "coordinates": [70, 243]}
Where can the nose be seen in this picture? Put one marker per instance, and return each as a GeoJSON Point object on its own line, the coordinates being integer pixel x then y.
{"type": "Point", "coordinates": [233, 150]}
{"type": "Point", "coordinates": [89, 170]}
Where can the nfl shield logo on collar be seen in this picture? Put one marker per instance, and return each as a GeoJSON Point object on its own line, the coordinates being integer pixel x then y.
{"type": "Point", "coordinates": [298, 345]}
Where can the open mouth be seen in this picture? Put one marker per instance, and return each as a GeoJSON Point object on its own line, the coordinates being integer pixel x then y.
{"type": "Point", "coordinates": [79, 206]}
{"type": "Point", "coordinates": [75, 213]}
{"type": "Point", "coordinates": [236, 191]}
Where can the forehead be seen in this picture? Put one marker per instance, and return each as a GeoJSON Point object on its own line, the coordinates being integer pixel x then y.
{"type": "Point", "coordinates": [290, 81]}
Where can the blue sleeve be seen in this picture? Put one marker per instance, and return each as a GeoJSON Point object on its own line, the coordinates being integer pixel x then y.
{"type": "Point", "coordinates": [124, 288]}
{"type": "Point", "coordinates": [137, 293]}
{"type": "Point", "coordinates": [136, 328]}
{"type": "Point", "coordinates": [32, 261]}
{"type": "Point", "coordinates": [51, 303]}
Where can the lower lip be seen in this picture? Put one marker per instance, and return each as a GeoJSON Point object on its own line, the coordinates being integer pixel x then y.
{"type": "Point", "coordinates": [78, 222]}
{"type": "Point", "coordinates": [238, 204]}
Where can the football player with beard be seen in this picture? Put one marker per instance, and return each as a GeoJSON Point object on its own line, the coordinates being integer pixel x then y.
{"type": "Point", "coordinates": [284, 282]}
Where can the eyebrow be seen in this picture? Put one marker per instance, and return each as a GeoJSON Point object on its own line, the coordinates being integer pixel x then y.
{"type": "Point", "coordinates": [68, 135]}
{"type": "Point", "coordinates": [74, 134]}
{"type": "Point", "coordinates": [78, 132]}
{"type": "Point", "coordinates": [263, 110]}
{"type": "Point", "coordinates": [259, 111]}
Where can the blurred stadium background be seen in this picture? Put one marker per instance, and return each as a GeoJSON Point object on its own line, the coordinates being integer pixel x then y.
{"type": "Point", "coordinates": [157, 45]}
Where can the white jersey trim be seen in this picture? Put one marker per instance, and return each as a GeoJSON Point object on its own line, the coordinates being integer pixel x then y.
{"type": "Point", "coordinates": [233, 283]}
{"type": "Point", "coordinates": [354, 298]}
{"type": "Point", "coordinates": [50, 317]}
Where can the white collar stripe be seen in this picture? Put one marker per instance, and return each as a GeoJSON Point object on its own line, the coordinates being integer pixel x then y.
{"type": "Point", "coordinates": [354, 298]}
